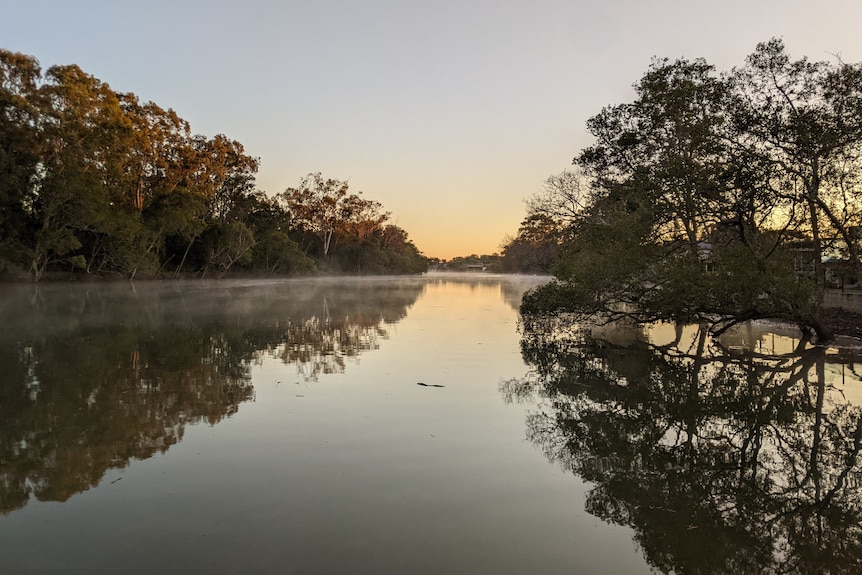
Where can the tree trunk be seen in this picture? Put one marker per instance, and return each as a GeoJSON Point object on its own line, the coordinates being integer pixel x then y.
{"type": "Point", "coordinates": [812, 188]}
{"type": "Point", "coordinates": [852, 250]}
{"type": "Point", "coordinates": [183, 261]}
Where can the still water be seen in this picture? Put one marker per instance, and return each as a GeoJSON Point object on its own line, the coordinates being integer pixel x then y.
{"type": "Point", "coordinates": [411, 426]}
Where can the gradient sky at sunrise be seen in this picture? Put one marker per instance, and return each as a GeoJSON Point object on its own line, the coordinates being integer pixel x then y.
{"type": "Point", "coordinates": [448, 112]}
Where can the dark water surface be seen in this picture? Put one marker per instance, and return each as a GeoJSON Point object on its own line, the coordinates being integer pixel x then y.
{"type": "Point", "coordinates": [279, 427]}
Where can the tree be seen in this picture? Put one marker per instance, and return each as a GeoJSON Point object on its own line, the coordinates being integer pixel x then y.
{"type": "Point", "coordinates": [400, 253]}
{"type": "Point", "coordinates": [85, 136]}
{"type": "Point", "coordinates": [98, 182]}
{"type": "Point", "coordinates": [804, 121]}
{"type": "Point", "coordinates": [327, 215]}
{"type": "Point", "coordinates": [20, 153]}
{"type": "Point", "coordinates": [535, 248]}
{"type": "Point", "coordinates": [694, 211]}
{"type": "Point", "coordinates": [318, 206]}
{"type": "Point", "coordinates": [665, 149]}
{"type": "Point", "coordinates": [222, 176]}
{"type": "Point", "coordinates": [276, 253]}
{"type": "Point", "coordinates": [361, 217]}
{"type": "Point", "coordinates": [551, 214]}
{"type": "Point", "coordinates": [562, 199]}
{"type": "Point", "coordinates": [226, 245]}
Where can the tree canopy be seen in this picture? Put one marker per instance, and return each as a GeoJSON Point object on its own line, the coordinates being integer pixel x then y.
{"type": "Point", "coordinates": [714, 197]}
{"type": "Point", "coordinates": [95, 182]}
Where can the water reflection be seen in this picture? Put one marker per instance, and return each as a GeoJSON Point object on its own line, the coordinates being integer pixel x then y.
{"type": "Point", "coordinates": [723, 458]}
{"type": "Point", "coordinates": [94, 376]}
{"type": "Point", "coordinates": [511, 287]}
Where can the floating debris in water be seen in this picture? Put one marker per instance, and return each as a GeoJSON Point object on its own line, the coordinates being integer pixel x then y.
{"type": "Point", "coordinates": [429, 384]}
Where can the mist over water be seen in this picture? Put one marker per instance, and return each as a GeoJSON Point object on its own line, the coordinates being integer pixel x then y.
{"type": "Point", "coordinates": [374, 425]}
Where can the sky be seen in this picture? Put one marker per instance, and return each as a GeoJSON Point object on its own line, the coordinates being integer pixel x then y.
{"type": "Point", "coordinates": [448, 112]}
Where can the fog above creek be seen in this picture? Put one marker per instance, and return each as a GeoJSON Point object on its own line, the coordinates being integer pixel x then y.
{"type": "Point", "coordinates": [367, 425]}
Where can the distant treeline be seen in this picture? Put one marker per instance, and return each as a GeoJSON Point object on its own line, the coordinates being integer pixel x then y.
{"type": "Point", "coordinates": [486, 262]}
{"type": "Point", "coordinates": [94, 182]}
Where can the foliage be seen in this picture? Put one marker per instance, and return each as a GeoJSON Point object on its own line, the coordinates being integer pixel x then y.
{"type": "Point", "coordinates": [324, 208]}
{"type": "Point", "coordinates": [536, 246]}
{"type": "Point", "coordinates": [276, 253]}
{"type": "Point", "coordinates": [803, 120]}
{"type": "Point", "coordinates": [708, 195]}
{"type": "Point", "coordinates": [96, 182]}
{"type": "Point", "coordinates": [489, 262]}
{"type": "Point", "coordinates": [550, 216]}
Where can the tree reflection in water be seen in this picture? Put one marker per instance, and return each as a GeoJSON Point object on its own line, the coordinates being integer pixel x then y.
{"type": "Point", "coordinates": [722, 460]}
{"type": "Point", "coordinates": [93, 377]}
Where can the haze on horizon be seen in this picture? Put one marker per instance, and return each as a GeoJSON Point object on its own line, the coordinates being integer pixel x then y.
{"type": "Point", "coordinates": [448, 113]}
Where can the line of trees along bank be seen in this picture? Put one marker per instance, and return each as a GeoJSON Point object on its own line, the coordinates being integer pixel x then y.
{"type": "Point", "coordinates": [95, 182]}
{"type": "Point", "coordinates": [710, 197]}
